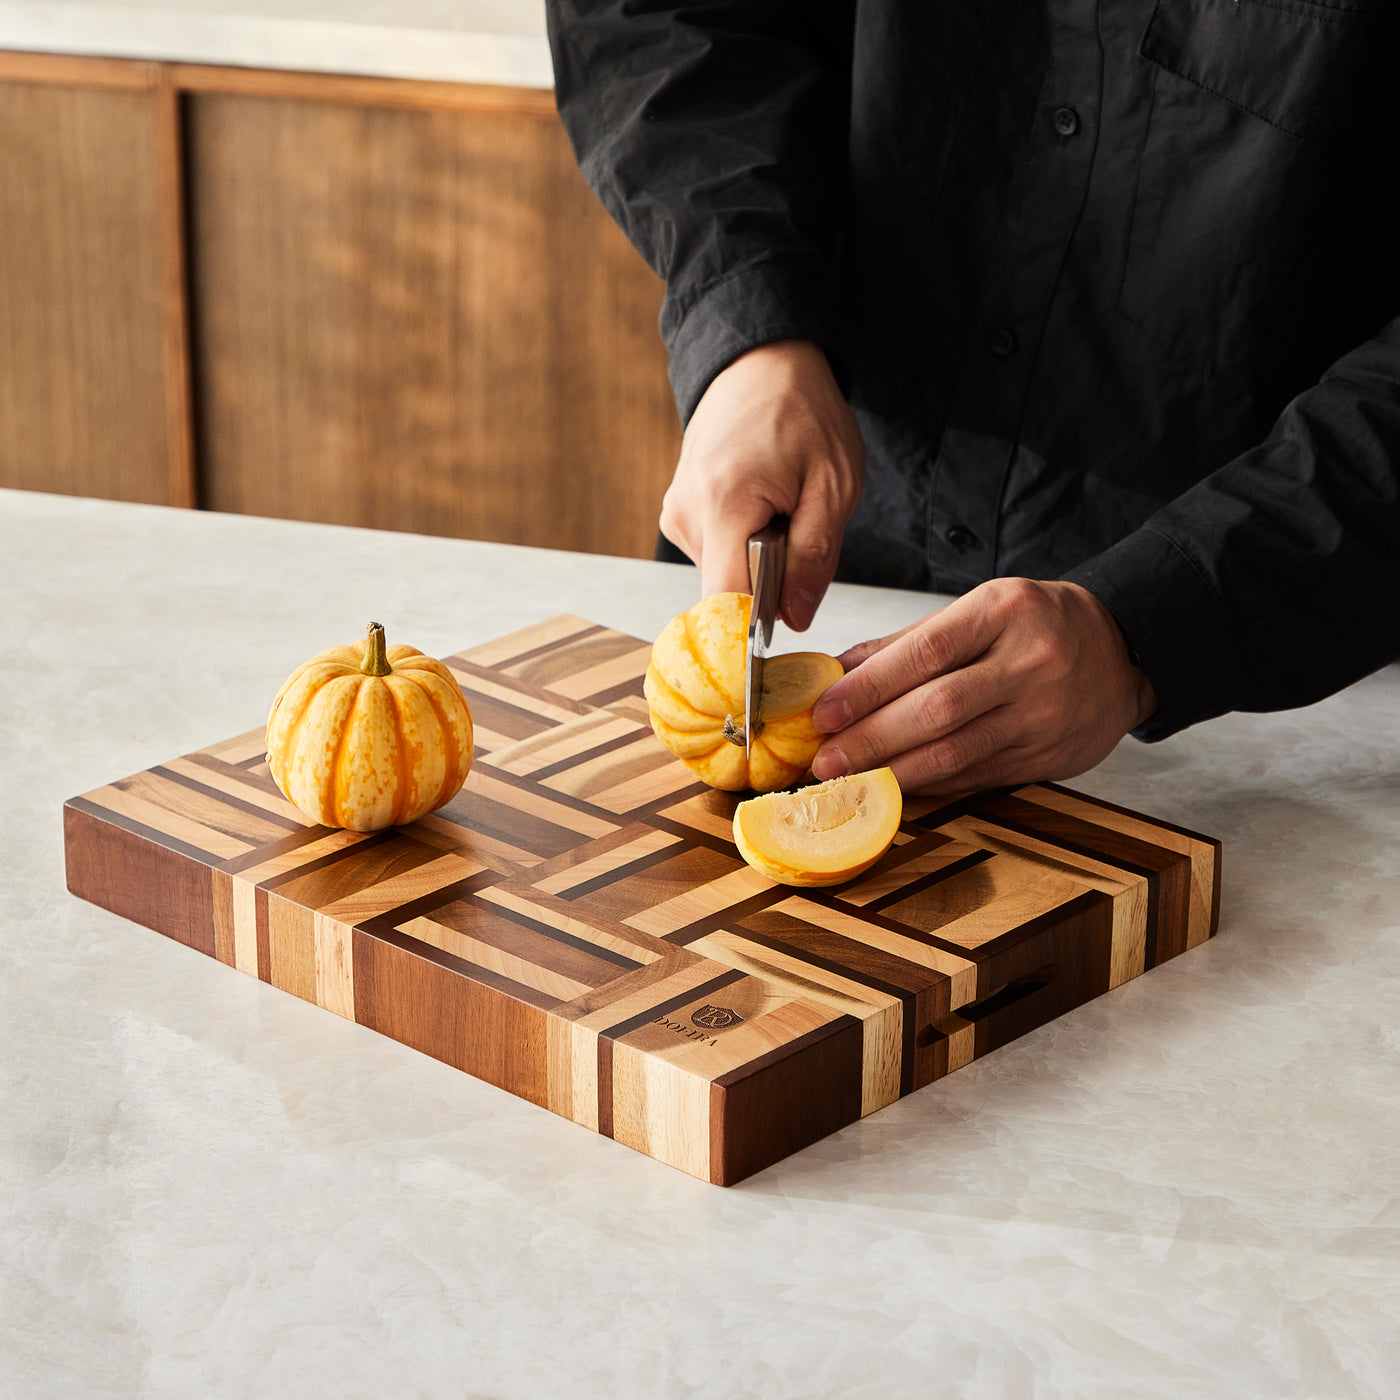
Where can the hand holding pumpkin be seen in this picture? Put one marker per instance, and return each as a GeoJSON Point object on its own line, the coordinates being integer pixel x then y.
{"type": "Point", "coordinates": [1017, 681]}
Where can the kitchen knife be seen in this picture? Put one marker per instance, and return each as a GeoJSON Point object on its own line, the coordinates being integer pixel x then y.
{"type": "Point", "coordinates": [767, 561]}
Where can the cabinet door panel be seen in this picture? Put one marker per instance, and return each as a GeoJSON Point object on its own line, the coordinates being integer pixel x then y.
{"type": "Point", "coordinates": [83, 406]}
{"type": "Point", "coordinates": [420, 320]}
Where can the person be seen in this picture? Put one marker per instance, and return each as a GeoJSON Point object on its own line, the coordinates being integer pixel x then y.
{"type": "Point", "coordinates": [1086, 312]}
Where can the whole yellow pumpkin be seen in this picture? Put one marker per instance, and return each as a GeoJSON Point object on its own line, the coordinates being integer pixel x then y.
{"type": "Point", "coordinates": [365, 736]}
{"type": "Point", "coordinates": [695, 681]}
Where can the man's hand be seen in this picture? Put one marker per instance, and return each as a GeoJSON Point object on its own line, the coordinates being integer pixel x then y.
{"type": "Point", "coordinates": [1015, 682]}
{"type": "Point", "coordinates": [771, 436]}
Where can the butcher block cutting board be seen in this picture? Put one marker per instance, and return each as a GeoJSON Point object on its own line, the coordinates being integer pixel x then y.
{"type": "Point", "coordinates": [577, 927]}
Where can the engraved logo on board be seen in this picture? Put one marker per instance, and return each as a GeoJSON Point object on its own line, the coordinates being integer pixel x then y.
{"type": "Point", "coordinates": [716, 1018]}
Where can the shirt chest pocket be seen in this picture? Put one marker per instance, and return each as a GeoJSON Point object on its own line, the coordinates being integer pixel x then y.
{"type": "Point", "coordinates": [1258, 110]}
{"type": "Point", "coordinates": [1311, 68]}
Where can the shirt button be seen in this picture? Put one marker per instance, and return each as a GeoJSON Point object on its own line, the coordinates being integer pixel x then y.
{"type": "Point", "coordinates": [1066, 121]}
{"type": "Point", "coordinates": [1003, 343]}
{"type": "Point", "coordinates": [961, 538]}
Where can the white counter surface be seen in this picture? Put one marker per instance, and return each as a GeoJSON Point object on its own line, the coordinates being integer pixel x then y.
{"type": "Point", "coordinates": [210, 1188]}
{"type": "Point", "coordinates": [469, 41]}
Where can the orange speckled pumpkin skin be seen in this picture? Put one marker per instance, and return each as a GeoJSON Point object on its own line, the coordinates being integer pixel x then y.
{"type": "Point", "coordinates": [365, 751]}
{"type": "Point", "coordinates": [696, 678]}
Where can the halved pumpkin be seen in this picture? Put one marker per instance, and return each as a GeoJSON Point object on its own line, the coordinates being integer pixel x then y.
{"type": "Point", "coordinates": [821, 835]}
{"type": "Point", "coordinates": [695, 682]}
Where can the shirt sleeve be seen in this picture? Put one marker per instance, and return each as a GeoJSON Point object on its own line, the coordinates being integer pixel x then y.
{"type": "Point", "coordinates": [1275, 581]}
{"type": "Point", "coordinates": [715, 134]}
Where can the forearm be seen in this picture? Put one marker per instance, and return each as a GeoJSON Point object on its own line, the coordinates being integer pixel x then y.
{"type": "Point", "coordinates": [1276, 580]}
{"type": "Point", "coordinates": [715, 136]}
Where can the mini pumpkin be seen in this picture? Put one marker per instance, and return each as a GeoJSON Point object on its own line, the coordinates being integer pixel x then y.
{"type": "Point", "coordinates": [821, 835]}
{"type": "Point", "coordinates": [695, 682]}
{"type": "Point", "coordinates": [367, 736]}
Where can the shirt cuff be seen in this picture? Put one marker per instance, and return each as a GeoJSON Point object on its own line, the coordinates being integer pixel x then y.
{"type": "Point", "coordinates": [752, 306]}
{"type": "Point", "coordinates": [1175, 626]}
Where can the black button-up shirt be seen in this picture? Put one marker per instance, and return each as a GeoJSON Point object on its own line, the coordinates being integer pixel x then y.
{"type": "Point", "coordinates": [1112, 284]}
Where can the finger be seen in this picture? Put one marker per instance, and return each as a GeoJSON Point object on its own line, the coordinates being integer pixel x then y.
{"type": "Point", "coordinates": [813, 548]}
{"type": "Point", "coordinates": [724, 551]}
{"type": "Point", "coordinates": [927, 775]}
{"type": "Point", "coordinates": [943, 642]}
{"type": "Point", "coordinates": [942, 708]}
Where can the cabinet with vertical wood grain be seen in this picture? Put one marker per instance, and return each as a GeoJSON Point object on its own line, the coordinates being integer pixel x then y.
{"type": "Point", "coordinates": [366, 301]}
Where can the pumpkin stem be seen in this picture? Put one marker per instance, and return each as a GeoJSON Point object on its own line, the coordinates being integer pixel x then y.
{"type": "Point", "coordinates": [376, 662]}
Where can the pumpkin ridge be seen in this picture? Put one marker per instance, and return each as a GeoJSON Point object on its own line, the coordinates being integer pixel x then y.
{"type": "Point", "coordinates": [452, 754]}
{"type": "Point", "coordinates": [402, 777]}
{"type": "Point", "coordinates": [337, 786]}
{"type": "Point", "coordinates": [702, 661]}
{"type": "Point", "coordinates": [292, 742]}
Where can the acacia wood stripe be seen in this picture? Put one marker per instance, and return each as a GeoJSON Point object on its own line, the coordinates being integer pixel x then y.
{"type": "Point", "coordinates": [299, 849]}
{"type": "Point", "coordinates": [547, 751]}
{"type": "Point", "coordinates": [577, 927]}
{"type": "Point", "coordinates": [881, 1014]}
{"type": "Point", "coordinates": [605, 860]}
{"type": "Point", "coordinates": [99, 811]}
{"type": "Point", "coordinates": [1203, 853]}
{"type": "Point", "coordinates": [254, 790]}
{"type": "Point", "coordinates": [509, 694]}
{"type": "Point", "coordinates": [151, 814]}
{"type": "Point", "coordinates": [238, 751]}
{"type": "Point", "coordinates": [921, 855]}
{"type": "Point", "coordinates": [1140, 929]}
{"type": "Point", "coordinates": [528, 642]}
{"type": "Point", "coordinates": [602, 934]}
{"type": "Point", "coordinates": [568, 667]}
{"type": "Point", "coordinates": [214, 811]}
{"type": "Point", "coordinates": [1166, 872]}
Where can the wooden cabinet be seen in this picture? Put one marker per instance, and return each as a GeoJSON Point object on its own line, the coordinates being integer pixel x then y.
{"type": "Point", "coordinates": [93, 398]}
{"type": "Point", "coordinates": [377, 302]}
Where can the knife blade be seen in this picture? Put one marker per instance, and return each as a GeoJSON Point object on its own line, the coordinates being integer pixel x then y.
{"type": "Point", "coordinates": [767, 562]}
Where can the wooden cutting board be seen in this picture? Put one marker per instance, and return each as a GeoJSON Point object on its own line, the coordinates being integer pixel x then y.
{"type": "Point", "coordinates": [577, 927]}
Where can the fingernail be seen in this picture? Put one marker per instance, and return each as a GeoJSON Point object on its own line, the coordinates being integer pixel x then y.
{"type": "Point", "coordinates": [831, 713]}
{"type": "Point", "coordinates": [830, 762]}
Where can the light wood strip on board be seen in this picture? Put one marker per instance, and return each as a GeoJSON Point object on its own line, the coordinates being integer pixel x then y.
{"type": "Point", "coordinates": [202, 807]}
{"type": "Point", "coordinates": [1200, 853]}
{"type": "Point", "coordinates": [237, 784]}
{"type": "Point", "coordinates": [240, 748]}
{"type": "Point", "coordinates": [579, 736]}
{"type": "Point", "coordinates": [595, 680]}
{"type": "Point", "coordinates": [961, 972]}
{"type": "Point", "coordinates": [573, 925]}
{"type": "Point", "coordinates": [507, 694]}
{"type": "Point", "coordinates": [613, 859]}
{"type": "Point", "coordinates": [493, 959]}
{"type": "Point", "coordinates": [700, 902]}
{"type": "Point", "coordinates": [500, 653]}
{"type": "Point", "coordinates": [538, 804]}
{"type": "Point", "coordinates": [882, 881]}
{"type": "Point", "coordinates": [660, 1109]}
{"type": "Point", "coordinates": [159, 817]}
{"type": "Point", "coordinates": [881, 1014]}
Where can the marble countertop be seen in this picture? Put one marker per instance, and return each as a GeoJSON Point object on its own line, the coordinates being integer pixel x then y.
{"type": "Point", "coordinates": [1186, 1188]}
{"type": "Point", "coordinates": [468, 41]}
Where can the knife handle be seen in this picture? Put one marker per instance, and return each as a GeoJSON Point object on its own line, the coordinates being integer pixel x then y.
{"type": "Point", "coordinates": [767, 563]}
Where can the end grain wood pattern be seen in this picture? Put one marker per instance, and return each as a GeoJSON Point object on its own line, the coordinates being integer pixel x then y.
{"type": "Point", "coordinates": [577, 927]}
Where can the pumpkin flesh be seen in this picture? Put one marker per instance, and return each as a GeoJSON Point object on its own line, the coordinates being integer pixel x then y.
{"type": "Point", "coordinates": [821, 835]}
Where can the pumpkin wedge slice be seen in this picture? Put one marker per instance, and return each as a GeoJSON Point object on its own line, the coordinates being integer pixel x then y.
{"type": "Point", "coordinates": [821, 835]}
